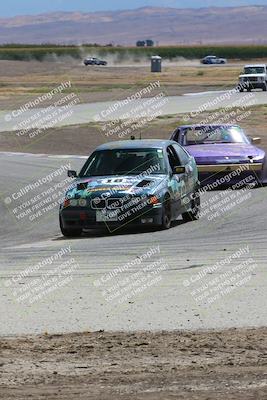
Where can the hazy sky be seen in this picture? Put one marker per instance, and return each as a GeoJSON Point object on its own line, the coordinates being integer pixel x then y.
{"type": "Point", "coordinates": [18, 7]}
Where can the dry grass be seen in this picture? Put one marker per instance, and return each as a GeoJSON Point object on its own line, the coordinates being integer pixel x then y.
{"type": "Point", "coordinates": [22, 81]}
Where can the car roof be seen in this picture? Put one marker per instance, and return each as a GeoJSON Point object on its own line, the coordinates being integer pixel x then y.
{"type": "Point", "coordinates": [206, 125]}
{"type": "Point", "coordinates": [255, 65]}
{"type": "Point", "coordinates": [136, 144]}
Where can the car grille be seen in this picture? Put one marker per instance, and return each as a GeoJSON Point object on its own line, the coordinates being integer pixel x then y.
{"type": "Point", "coordinates": [98, 204]}
{"type": "Point", "coordinates": [113, 203]}
{"type": "Point", "coordinates": [123, 202]}
{"type": "Point", "coordinates": [251, 79]}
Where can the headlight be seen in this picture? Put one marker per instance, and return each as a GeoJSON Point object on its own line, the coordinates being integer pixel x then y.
{"type": "Point", "coordinates": [82, 202]}
{"type": "Point", "coordinates": [73, 202]}
{"type": "Point", "coordinates": [258, 158]}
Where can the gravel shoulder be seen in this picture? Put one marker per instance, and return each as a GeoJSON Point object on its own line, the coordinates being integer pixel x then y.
{"type": "Point", "coordinates": [140, 365]}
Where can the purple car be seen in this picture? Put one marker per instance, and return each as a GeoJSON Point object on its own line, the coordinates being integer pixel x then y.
{"type": "Point", "coordinates": [224, 155]}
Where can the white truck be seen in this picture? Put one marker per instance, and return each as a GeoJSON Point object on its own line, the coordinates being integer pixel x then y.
{"type": "Point", "coordinates": [253, 77]}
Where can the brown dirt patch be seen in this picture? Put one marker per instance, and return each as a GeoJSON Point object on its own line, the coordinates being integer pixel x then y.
{"type": "Point", "coordinates": [141, 365]}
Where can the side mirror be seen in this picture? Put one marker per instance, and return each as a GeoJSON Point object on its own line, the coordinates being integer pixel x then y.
{"type": "Point", "coordinates": [255, 140]}
{"type": "Point", "coordinates": [72, 174]}
{"type": "Point", "coordinates": [178, 170]}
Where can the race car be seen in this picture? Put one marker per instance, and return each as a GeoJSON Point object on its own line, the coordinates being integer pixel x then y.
{"type": "Point", "coordinates": [213, 60]}
{"type": "Point", "coordinates": [131, 182]}
{"type": "Point", "coordinates": [223, 153]}
{"type": "Point", "coordinates": [94, 61]}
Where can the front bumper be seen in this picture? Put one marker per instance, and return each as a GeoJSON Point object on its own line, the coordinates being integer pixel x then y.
{"type": "Point", "coordinates": [85, 218]}
{"type": "Point", "coordinates": [229, 167]}
{"type": "Point", "coordinates": [225, 175]}
{"type": "Point", "coordinates": [253, 84]}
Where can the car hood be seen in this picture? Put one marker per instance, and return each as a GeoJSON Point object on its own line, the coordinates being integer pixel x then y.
{"type": "Point", "coordinates": [252, 75]}
{"type": "Point", "coordinates": [115, 185]}
{"type": "Point", "coordinates": [224, 152]}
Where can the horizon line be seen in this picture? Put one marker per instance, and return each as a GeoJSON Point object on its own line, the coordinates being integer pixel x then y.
{"type": "Point", "coordinates": [132, 9]}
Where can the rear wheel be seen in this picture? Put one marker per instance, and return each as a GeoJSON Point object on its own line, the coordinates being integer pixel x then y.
{"type": "Point", "coordinates": [166, 213]}
{"type": "Point", "coordinates": [69, 232]}
{"type": "Point", "coordinates": [194, 213]}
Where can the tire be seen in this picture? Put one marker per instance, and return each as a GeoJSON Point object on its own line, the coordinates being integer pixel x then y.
{"type": "Point", "coordinates": [166, 213]}
{"type": "Point", "coordinates": [194, 214]}
{"type": "Point", "coordinates": [249, 89]}
{"type": "Point", "coordinates": [264, 88]}
{"type": "Point", "coordinates": [69, 232]}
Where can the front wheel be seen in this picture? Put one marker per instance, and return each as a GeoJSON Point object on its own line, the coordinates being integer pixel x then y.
{"type": "Point", "coordinates": [194, 213]}
{"type": "Point", "coordinates": [69, 232]}
{"type": "Point", "coordinates": [166, 213]}
{"type": "Point", "coordinates": [264, 87]}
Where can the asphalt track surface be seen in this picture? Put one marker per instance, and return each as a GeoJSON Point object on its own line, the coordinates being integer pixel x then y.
{"type": "Point", "coordinates": [184, 253]}
{"type": "Point", "coordinates": [14, 120]}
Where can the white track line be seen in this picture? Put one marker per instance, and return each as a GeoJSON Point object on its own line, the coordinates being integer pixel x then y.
{"type": "Point", "coordinates": [203, 93]}
{"type": "Point", "coordinates": [60, 156]}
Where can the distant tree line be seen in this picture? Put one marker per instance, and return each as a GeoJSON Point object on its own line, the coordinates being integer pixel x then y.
{"type": "Point", "coordinates": [47, 51]}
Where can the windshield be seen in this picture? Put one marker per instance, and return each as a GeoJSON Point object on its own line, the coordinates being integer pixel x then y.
{"type": "Point", "coordinates": [216, 134]}
{"type": "Point", "coordinates": [124, 162]}
{"type": "Point", "coordinates": [254, 70]}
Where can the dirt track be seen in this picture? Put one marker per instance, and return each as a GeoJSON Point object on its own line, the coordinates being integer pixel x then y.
{"type": "Point", "coordinates": [164, 365]}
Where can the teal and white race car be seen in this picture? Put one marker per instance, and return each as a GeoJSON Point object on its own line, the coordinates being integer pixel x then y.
{"type": "Point", "coordinates": [133, 182]}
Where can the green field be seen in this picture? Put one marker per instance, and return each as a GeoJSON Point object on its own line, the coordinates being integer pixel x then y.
{"type": "Point", "coordinates": [47, 51]}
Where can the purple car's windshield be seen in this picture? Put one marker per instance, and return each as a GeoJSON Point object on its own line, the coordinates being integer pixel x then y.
{"type": "Point", "coordinates": [214, 134]}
